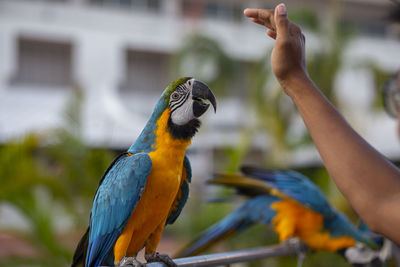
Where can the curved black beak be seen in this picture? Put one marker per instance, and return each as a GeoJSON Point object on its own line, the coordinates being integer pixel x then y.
{"type": "Point", "coordinates": [201, 95]}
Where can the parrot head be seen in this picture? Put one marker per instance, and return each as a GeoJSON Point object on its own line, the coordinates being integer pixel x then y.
{"type": "Point", "coordinates": [182, 103]}
{"type": "Point", "coordinates": [187, 99]}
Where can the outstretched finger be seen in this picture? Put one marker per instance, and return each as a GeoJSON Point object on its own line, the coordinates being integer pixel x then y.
{"type": "Point", "coordinates": [265, 16]}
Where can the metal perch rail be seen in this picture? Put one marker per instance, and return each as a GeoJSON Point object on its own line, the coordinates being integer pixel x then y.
{"type": "Point", "coordinates": [227, 258]}
{"type": "Point", "coordinates": [289, 248]}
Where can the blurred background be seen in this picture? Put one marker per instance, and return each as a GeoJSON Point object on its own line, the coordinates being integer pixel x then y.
{"type": "Point", "coordinates": [79, 79]}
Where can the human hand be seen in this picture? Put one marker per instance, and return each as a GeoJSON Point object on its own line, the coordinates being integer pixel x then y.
{"type": "Point", "coordinates": [288, 54]}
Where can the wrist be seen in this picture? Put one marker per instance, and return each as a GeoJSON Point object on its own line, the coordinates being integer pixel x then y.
{"type": "Point", "coordinates": [296, 84]}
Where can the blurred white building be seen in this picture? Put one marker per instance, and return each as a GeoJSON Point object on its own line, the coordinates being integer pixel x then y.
{"type": "Point", "coordinates": [118, 51]}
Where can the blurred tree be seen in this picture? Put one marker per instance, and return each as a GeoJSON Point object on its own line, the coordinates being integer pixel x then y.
{"type": "Point", "coordinates": [20, 176]}
{"type": "Point", "coordinates": [56, 164]}
{"type": "Point", "coordinates": [380, 77]}
{"type": "Point", "coordinates": [204, 58]}
{"type": "Point", "coordinates": [77, 166]}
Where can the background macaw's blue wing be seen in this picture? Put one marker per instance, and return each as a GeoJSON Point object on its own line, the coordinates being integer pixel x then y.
{"type": "Point", "coordinates": [295, 186]}
{"type": "Point", "coordinates": [255, 210]}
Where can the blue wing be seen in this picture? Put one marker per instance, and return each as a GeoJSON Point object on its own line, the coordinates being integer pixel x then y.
{"type": "Point", "coordinates": [294, 185]}
{"type": "Point", "coordinates": [255, 210]}
{"type": "Point", "coordinates": [183, 193]}
{"type": "Point", "coordinates": [114, 202]}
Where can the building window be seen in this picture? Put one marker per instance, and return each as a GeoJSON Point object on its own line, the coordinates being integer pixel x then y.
{"type": "Point", "coordinates": [43, 63]}
{"type": "Point", "coordinates": [150, 5]}
{"type": "Point", "coordinates": [146, 72]}
{"type": "Point", "coordinates": [213, 9]}
{"type": "Point", "coordinates": [224, 11]}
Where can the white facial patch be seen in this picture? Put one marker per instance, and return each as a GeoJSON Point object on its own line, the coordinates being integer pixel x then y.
{"type": "Point", "coordinates": [184, 113]}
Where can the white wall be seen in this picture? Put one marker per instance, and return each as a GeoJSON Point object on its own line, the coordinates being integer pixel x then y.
{"type": "Point", "coordinates": [100, 38]}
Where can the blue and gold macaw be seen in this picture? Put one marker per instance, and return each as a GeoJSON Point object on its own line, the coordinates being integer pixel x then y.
{"type": "Point", "coordinates": [290, 203]}
{"type": "Point", "coordinates": [146, 187]}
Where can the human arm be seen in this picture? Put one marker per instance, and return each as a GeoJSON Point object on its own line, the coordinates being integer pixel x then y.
{"type": "Point", "coordinates": [364, 176]}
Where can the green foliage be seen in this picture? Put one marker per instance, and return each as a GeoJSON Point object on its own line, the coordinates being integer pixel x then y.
{"type": "Point", "coordinates": [78, 169]}
{"type": "Point", "coordinates": [43, 261]}
{"type": "Point", "coordinates": [323, 66]}
{"type": "Point", "coordinates": [306, 18]}
{"type": "Point", "coordinates": [197, 216]}
{"type": "Point", "coordinates": [380, 77]}
{"type": "Point", "coordinates": [237, 154]}
{"type": "Point", "coordinates": [325, 259]}
{"type": "Point", "coordinates": [203, 57]}
{"type": "Point", "coordinates": [267, 104]}
{"type": "Point", "coordinates": [47, 170]}
{"type": "Point", "coordinates": [20, 175]}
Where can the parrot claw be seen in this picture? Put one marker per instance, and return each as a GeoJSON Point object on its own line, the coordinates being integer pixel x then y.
{"type": "Point", "coordinates": [157, 257]}
{"type": "Point", "coordinates": [300, 247]}
{"type": "Point", "coordinates": [129, 261]}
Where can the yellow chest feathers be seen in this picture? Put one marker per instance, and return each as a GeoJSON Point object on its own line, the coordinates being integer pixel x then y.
{"type": "Point", "coordinates": [167, 157]}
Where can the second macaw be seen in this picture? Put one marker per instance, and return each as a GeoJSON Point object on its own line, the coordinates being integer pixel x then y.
{"type": "Point", "coordinates": [290, 203]}
{"type": "Point", "coordinates": [146, 187]}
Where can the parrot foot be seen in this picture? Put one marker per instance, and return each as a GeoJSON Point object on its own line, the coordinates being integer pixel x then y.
{"type": "Point", "coordinates": [157, 257]}
{"type": "Point", "coordinates": [129, 261]}
{"type": "Point", "coordinates": [300, 247]}
{"type": "Point", "coordinates": [361, 254]}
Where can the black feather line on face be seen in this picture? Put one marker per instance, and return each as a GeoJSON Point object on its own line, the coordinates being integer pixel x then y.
{"type": "Point", "coordinates": [184, 132]}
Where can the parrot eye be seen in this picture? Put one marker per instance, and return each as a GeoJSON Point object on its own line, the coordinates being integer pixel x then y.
{"type": "Point", "coordinates": [174, 96]}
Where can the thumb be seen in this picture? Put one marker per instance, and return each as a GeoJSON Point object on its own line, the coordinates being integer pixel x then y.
{"type": "Point", "coordinates": [281, 21]}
